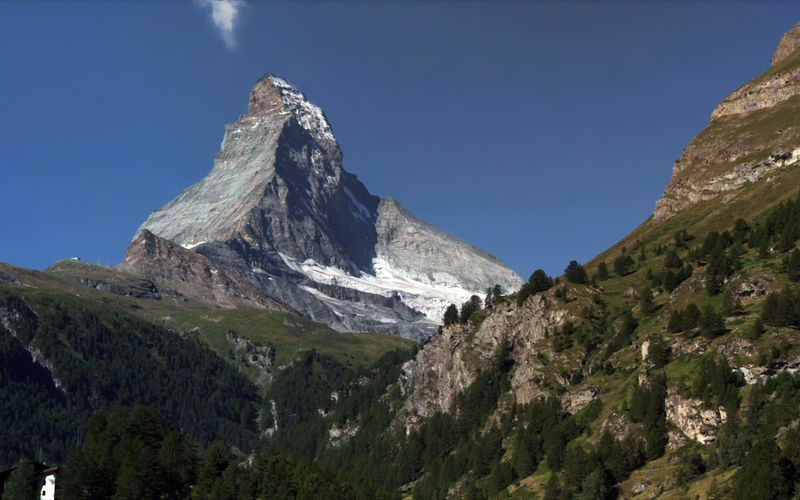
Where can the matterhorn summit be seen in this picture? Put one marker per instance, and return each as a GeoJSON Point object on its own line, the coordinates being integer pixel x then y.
{"type": "Point", "coordinates": [280, 218]}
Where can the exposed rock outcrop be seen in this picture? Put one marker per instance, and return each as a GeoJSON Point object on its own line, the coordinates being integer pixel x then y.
{"type": "Point", "coordinates": [693, 419]}
{"type": "Point", "coordinates": [260, 357]}
{"type": "Point", "coordinates": [143, 289]}
{"type": "Point", "coordinates": [452, 359]}
{"type": "Point", "coordinates": [762, 93]}
{"type": "Point", "coordinates": [339, 435]}
{"type": "Point", "coordinates": [21, 322]}
{"type": "Point", "coordinates": [618, 424]}
{"type": "Point", "coordinates": [750, 288]}
{"type": "Point", "coordinates": [751, 137]}
{"type": "Point", "coordinates": [575, 401]}
{"type": "Point", "coordinates": [778, 84]}
{"type": "Point", "coordinates": [192, 274]}
{"type": "Point", "coordinates": [686, 190]}
{"type": "Point", "coordinates": [754, 374]}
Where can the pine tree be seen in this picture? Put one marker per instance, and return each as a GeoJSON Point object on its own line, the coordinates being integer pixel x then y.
{"type": "Point", "coordinates": [523, 459]}
{"type": "Point", "coordinates": [658, 354]}
{"type": "Point", "coordinates": [655, 421]}
{"type": "Point", "coordinates": [576, 461]}
{"type": "Point", "coordinates": [21, 485]}
{"type": "Point", "coordinates": [575, 273]}
{"type": "Point", "coordinates": [781, 309]}
{"type": "Point", "coordinates": [730, 305]}
{"type": "Point", "coordinates": [476, 302]}
{"type": "Point", "coordinates": [711, 323]}
{"type": "Point", "coordinates": [597, 485]}
{"type": "Point", "coordinates": [740, 231]}
{"type": "Point", "coordinates": [623, 264]}
{"type": "Point", "coordinates": [672, 260]}
{"type": "Point", "coordinates": [691, 317]}
{"type": "Point", "coordinates": [682, 237]}
{"type": "Point", "coordinates": [489, 300]}
{"type": "Point", "coordinates": [627, 325]}
{"type": "Point", "coordinates": [792, 264]}
{"type": "Point", "coordinates": [763, 249]}
{"type": "Point", "coordinates": [469, 307]}
{"type": "Point", "coordinates": [646, 302]}
{"type": "Point", "coordinates": [669, 280]}
{"type": "Point", "coordinates": [540, 281]}
{"type": "Point", "coordinates": [451, 315]}
{"type": "Point", "coordinates": [675, 323]}
{"type": "Point", "coordinates": [212, 468]}
{"type": "Point", "coordinates": [766, 474]}
{"type": "Point", "coordinates": [602, 271]}
{"type": "Point", "coordinates": [757, 329]}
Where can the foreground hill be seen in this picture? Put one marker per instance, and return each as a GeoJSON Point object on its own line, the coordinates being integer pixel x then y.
{"type": "Point", "coordinates": [664, 368]}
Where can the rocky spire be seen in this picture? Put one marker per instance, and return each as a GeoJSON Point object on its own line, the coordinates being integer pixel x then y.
{"type": "Point", "coordinates": [279, 211]}
{"type": "Point", "coordinates": [272, 94]}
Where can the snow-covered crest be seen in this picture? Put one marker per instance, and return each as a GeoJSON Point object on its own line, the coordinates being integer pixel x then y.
{"type": "Point", "coordinates": [309, 115]}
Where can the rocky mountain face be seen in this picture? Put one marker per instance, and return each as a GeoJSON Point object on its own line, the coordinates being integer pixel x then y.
{"type": "Point", "coordinates": [753, 133]}
{"type": "Point", "coordinates": [280, 218]}
{"type": "Point", "coordinates": [452, 360]}
{"type": "Point", "coordinates": [192, 274]}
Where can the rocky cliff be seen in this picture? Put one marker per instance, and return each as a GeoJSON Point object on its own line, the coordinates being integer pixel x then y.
{"type": "Point", "coordinates": [452, 360]}
{"type": "Point", "coordinates": [279, 211]}
{"type": "Point", "coordinates": [192, 274]}
{"type": "Point", "coordinates": [752, 135]}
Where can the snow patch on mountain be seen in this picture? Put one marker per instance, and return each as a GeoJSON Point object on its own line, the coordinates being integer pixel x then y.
{"type": "Point", "coordinates": [430, 299]}
{"type": "Point", "coordinates": [362, 211]}
{"type": "Point", "coordinates": [309, 115]}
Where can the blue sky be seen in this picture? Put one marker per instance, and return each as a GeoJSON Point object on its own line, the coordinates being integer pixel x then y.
{"type": "Point", "coordinates": [540, 132]}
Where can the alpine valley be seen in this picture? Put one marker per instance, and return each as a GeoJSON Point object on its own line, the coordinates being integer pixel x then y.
{"type": "Point", "coordinates": [276, 331]}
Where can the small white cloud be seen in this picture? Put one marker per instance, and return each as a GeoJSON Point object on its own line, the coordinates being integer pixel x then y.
{"type": "Point", "coordinates": [224, 13]}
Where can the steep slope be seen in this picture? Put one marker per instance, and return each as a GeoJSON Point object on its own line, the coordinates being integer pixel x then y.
{"type": "Point", "coordinates": [64, 358]}
{"type": "Point", "coordinates": [279, 210]}
{"type": "Point", "coordinates": [192, 274]}
{"type": "Point", "coordinates": [670, 371]}
{"type": "Point", "coordinates": [753, 135]}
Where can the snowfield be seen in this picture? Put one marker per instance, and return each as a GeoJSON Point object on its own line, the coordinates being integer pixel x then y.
{"type": "Point", "coordinates": [431, 299]}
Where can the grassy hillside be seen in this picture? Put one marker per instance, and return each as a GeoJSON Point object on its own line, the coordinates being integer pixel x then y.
{"type": "Point", "coordinates": [627, 441]}
{"type": "Point", "coordinates": [289, 334]}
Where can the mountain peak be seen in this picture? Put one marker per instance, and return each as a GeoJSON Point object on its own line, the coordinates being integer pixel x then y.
{"type": "Point", "coordinates": [280, 212]}
{"type": "Point", "coordinates": [789, 43]}
{"type": "Point", "coordinates": [273, 94]}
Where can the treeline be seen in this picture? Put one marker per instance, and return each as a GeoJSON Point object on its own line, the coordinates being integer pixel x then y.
{"type": "Point", "coordinates": [96, 357]}
{"type": "Point", "coordinates": [131, 455]}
